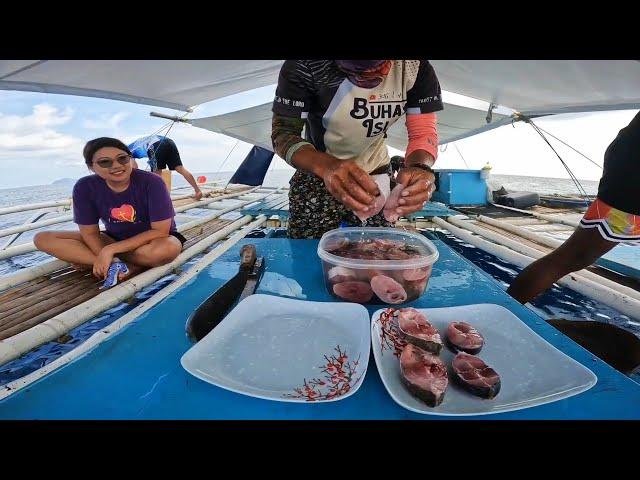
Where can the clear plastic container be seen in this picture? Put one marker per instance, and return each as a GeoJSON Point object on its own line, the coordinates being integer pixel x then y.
{"type": "Point", "coordinates": [373, 265]}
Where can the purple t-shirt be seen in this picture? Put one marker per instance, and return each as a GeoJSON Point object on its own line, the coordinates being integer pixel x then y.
{"type": "Point", "coordinates": [127, 213]}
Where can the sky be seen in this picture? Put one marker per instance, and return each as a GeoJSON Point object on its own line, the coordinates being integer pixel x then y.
{"type": "Point", "coordinates": [42, 135]}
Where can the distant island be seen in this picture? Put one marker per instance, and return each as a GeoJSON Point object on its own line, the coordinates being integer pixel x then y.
{"type": "Point", "coordinates": [64, 181]}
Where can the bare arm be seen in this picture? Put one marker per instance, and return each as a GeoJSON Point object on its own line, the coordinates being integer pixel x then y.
{"type": "Point", "coordinates": [420, 157]}
{"type": "Point", "coordinates": [105, 257]}
{"type": "Point", "coordinates": [91, 237]}
{"type": "Point", "coordinates": [422, 150]}
{"type": "Point", "coordinates": [158, 230]}
{"type": "Point", "coordinates": [188, 177]}
{"type": "Point", "coordinates": [347, 182]}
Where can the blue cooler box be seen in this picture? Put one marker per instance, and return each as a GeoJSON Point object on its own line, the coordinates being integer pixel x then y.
{"type": "Point", "coordinates": [460, 187]}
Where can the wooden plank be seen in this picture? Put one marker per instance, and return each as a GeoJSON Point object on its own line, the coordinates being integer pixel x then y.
{"type": "Point", "coordinates": [513, 236]}
{"type": "Point", "coordinates": [266, 205]}
{"type": "Point", "coordinates": [277, 208]}
{"type": "Point", "coordinates": [623, 259]}
{"type": "Point", "coordinates": [519, 221]}
{"type": "Point", "coordinates": [45, 308]}
{"type": "Point", "coordinates": [34, 302]}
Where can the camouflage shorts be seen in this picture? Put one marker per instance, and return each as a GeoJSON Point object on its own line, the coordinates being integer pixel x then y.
{"type": "Point", "coordinates": [314, 211]}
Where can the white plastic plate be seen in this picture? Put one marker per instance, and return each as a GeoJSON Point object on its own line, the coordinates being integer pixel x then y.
{"type": "Point", "coordinates": [532, 371]}
{"type": "Point", "coordinates": [286, 350]}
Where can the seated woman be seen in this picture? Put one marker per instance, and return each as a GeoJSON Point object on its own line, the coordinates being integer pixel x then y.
{"type": "Point", "coordinates": [135, 208]}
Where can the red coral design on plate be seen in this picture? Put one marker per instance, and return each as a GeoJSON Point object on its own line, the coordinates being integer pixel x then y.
{"type": "Point", "coordinates": [338, 378]}
{"type": "Point", "coordinates": [390, 337]}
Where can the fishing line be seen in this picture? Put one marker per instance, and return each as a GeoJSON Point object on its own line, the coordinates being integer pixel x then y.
{"type": "Point", "coordinates": [165, 136]}
{"type": "Point", "coordinates": [460, 153]}
{"type": "Point", "coordinates": [575, 150]}
{"type": "Point", "coordinates": [577, 183]}
{"type": "Point", "coordinates": [224, 161]}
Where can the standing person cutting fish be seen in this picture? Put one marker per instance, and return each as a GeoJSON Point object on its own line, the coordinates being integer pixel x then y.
{"type": "Point", "coordinates": [342, 163]}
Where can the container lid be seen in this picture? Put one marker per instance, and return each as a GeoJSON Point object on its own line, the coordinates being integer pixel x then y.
{"type": "Point", "coordinates": [338, 236]}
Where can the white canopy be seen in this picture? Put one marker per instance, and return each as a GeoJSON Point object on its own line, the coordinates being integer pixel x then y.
{"type": "Point", "coordinates": [531, 87]}
{"type": "Point", "coordinates": [176, 84]}
{"type": "Point", "coordinates": [540, 87]}
{"type": "Point", "coordinates": [253, 125]}
{"type": "Point", "coordinates": [528, 86]}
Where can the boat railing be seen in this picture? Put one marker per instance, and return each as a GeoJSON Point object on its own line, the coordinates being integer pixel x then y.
{"type": "Point", "coordinates": [14, 347]}
{"type": "Point", "coordinates": [612, 294]}
{"type": "Point", "coordinates": [9, 249]}
{"type": "Point", "coordinates": [245, 197]}
{"type": "Point", "coordinates": [42, 332]}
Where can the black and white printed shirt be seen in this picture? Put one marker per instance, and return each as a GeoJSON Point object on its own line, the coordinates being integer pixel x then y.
{"type": "Point", "coordinates": [347, 121]}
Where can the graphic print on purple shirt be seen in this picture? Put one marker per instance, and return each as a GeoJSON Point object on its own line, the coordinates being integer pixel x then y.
{"type": "Point", "coordinates": [124, 214]}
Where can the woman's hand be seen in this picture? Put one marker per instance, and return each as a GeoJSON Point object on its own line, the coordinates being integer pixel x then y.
{"type": "Point", "coordinates": [350, 185]}
{"type": "Point", "coordinates": [419, 186]}
{"type": "Point", "coordinates": [103, 262]}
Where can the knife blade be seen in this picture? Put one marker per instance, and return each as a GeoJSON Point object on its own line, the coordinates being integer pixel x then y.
{"type": "Point", "coordinates": [213, 310]}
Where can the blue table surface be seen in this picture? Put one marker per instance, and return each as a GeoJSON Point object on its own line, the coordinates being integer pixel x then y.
{"type": "Point", "coordinates": [136, 374]}
{"type": "Point", "coordinates": [281, 207]}
{"type": "Point", "coordinates": [623, 259]}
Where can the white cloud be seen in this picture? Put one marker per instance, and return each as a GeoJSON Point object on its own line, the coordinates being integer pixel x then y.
{"type": "Point", "coordinates": [45, 140]}
{"type": "Point", "coordinates": [105, 121]}
{"type": "Point", "coordinates": [34, 137]}
{"type": "Point", "coordinates": [43, 116]}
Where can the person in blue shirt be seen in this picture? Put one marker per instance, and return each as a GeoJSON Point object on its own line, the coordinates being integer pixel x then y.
{"type": "Point", "coordinates": [162, 153]}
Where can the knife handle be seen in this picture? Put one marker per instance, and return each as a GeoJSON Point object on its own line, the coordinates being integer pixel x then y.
{"type": "Point", "coordinates": [247, 256]}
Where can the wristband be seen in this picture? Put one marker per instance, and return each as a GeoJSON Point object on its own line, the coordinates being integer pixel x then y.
{"type": "Point", "coordinates": [421, 166]}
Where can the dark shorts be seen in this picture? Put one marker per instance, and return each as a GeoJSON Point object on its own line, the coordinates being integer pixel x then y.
{"type": "Point", "coordinates": [313, 210]}
{"type": "Point", "coordinates": [166, 154]}
{"type": "Point", "coordinates": [618, 186]}
{"type": "Point", "coordinates": [179, 236]}
{"type": "Point", "coordinates": [612, 224]}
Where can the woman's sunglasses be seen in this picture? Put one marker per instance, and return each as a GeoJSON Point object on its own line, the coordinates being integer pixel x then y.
{"type": "Point", "coordinates": [108, 162]}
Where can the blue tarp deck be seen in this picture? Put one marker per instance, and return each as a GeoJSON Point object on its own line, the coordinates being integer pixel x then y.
{"type": "Point", "coordinates": [279, 205]}
{"type": "Point", "coordinates": [433, 209]}
{"type": "Point", "coordinates": [624, 259]}
{"type": "Point", "coordinates": [137, 373]}
{"type": "Point", "coordinates": [274, 205]}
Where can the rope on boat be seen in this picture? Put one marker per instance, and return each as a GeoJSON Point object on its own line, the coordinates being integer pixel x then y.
{"type": "Point", "coordinates": [566, 144]}
{"type": "Point", "coordinates": [617, 301]}
{"type": "Point", "coordinates": [577, 183]}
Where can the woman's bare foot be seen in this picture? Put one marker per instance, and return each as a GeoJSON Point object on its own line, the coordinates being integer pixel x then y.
{"type": "Point", "coordinates": [133, 270]}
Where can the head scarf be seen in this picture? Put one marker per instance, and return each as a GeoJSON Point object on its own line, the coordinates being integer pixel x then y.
{"type": "Point", "coordinates": [365, 73]}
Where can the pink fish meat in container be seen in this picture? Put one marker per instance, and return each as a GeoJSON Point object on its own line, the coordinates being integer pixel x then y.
{"type": "Point", "coordinates": [373, 265]}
